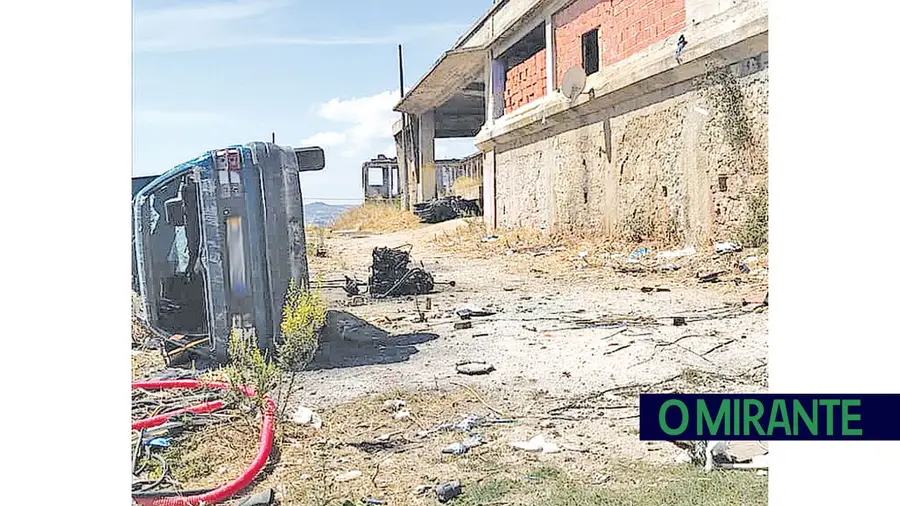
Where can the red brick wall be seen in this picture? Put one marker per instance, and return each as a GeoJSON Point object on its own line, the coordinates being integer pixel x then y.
{"type": "Point", "coordinates": [526, 82]}
{"type": "Point", "coordinates": [626, 27]}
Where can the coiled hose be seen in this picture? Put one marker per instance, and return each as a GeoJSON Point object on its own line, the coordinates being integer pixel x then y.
{"type": "Point", "coordinates": [267, 435]}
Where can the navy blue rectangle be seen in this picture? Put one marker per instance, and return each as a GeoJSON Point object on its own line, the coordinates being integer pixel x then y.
{"type": "Point", "coordinates": [869, 417]}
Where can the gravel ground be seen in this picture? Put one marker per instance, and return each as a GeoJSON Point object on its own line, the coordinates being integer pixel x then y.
{"type": "Point", "coordinates": [543, 357]}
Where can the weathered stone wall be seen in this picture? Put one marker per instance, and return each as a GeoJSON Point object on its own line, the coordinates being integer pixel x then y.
{"type": "Point", "coordinates": [681, 166]}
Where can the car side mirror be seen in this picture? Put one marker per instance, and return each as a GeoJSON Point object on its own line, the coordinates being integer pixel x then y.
{"type": "Point", "coordinates": [175, 212]}
{"type": "Point", "coordinates": [310, 159]}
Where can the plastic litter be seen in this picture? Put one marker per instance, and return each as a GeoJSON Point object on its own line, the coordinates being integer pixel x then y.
{"type": "Point", "coordinates": [348, 476]}
{"type": "Point", "coordinates": [447, 491]}
{"type": "Point", "coordinates": [455, 449]}
{"type": "Point", "coordinates": [490, 238]}
{"type": "Point", "coordinates": [727, 247]}
{"type": "Point", "coordinates": [158, 442]}
{"type": "Point", "coordinates": [536, 444]}
{"type": "Point", "coordinates": [393, 404]}
{"type": "Point", "coordinates": [466, 424]}
{"type": "Point", "coordinates": [635, 255]}
{"type": "Point", "coordinates": [402, 414]}
{"type": "Point", "coordinates": [261, 499]}
{"type": "Point", "coordinates": [306, 416]}
{"type": "Point", "coordinates": [677, 253]}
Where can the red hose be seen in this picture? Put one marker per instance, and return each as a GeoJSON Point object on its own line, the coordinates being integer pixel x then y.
{"type": "Point", "coordinates": [267, 434]}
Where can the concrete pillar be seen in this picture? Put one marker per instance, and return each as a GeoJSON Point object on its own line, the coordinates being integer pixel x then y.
{"type": "Point", "coordinates": [548, 33]}
{"type": "Point", "coordinates": [428, 183]}
{"type": "Point", "coordinates": [497, 89]}
{"type": "Point", "coordinates": [489, 190]}
{"type": "Point", "coordinates": [365, 182]}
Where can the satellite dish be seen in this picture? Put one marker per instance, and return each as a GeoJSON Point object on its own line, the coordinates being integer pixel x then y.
{"type": "Point", "coordinates": [573, 82]}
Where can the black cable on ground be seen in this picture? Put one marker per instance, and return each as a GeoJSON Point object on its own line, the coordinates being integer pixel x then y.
{"type": "Point", "coordinates": [157, 494]}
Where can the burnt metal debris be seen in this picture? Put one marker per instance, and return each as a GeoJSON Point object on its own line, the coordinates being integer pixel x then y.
{"type": "Point", "coordinates": [446, 208]}
{"type": "Point", "coordinates": [392, 276]}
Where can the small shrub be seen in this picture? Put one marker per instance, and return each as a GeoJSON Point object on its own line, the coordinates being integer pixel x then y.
{"type": "Point", "coordinates": [303, 315]}
{"type": "Point", "coordinates": [755, 232]}
{"type": "Point", "coordinates": [249, 367]}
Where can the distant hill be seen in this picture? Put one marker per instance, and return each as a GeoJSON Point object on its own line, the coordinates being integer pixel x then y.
{"type": "Point", "coordinates": [321, 214]}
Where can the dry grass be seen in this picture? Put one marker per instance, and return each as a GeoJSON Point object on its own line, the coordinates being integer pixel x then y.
{"type": "Point", "coordinates": [146, 363]}
{"type": "Point", "coordinates": [465, 185]}
{"type": "Point", "coordinates": [304, 468]}
{"type": "Point", "coordinates": [590, 255]}
{"type": "Point", "coordinates": [376, 217]}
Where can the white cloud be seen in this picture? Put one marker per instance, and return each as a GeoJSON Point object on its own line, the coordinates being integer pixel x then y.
{"type": "Point", "coordinates": [368, 129]}
{"type": "Point", "coordinates": [174, 118]}
{"type": "Point", "coordinates": [237, 23]}
{"type": "Point", "coordinates": [325, 139]}
{"type": "Point", "coordinates": [368, 123]}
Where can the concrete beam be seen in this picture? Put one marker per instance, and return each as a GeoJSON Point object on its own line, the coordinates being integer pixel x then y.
{"type": "Point", "coordinates": [455, 70]}
{"type": "Point", "coordinates": [428, 184]}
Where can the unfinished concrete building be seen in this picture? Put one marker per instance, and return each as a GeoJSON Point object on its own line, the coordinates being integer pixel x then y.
{"type": "Point", "coordinates": [381, 178]}
{"type": "Point", "coordinates": [668, 139]}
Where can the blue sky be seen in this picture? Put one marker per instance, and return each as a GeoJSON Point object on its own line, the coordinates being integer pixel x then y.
{"type": "Point", "coordinates": [218, 72]}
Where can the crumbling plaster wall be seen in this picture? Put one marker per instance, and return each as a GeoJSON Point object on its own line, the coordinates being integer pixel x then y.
{"type": "Point", "coordinates": [661, 177]}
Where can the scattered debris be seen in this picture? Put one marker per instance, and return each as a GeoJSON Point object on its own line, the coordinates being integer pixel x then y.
{"type": "Point", "coordinates": [447, 491]}
{"type": "Point", "coordinates": [474, 368]}
{"type": "Point", "coordinates": [465, 446]}
{"type": "Point", "coordinates": [649, 289]}
{"type": "Point", "coordinates": [403, 414]}
{"type": "Point", "coordinates": [421, 489]}
{"type": "Point", "coordinates": [727, 247]}
{"type": "Point", "coordinates": [455, 449]}
{"type": "Point", "coordinates": [536, 444]}
{"type": "Point", "coordinates": [445, 209]}
{"type": "Point", "coordinates": [462, 325]}
{"type": "Point", "coordinates": [392, 276]}
{"type": "Point", "coordinates": [668, 255]}
{"type": "Point", "coordinates": [261, 499]}
{"type": "Point", "coordinates": [467, 312]}
{"type": "Point", "coordinates": [744, 268]}
{"type": "Point", "coordinates": [369, 500]}
{"type": "Point", "coordinates": [306, 416]}
{"type": "Point", "coordinates": [348, 476]}
{"type": "Point", "coordinates": [490, 238]}
{"type": "Point", "coordinates": [635, 255]}
{"type": "Point", "coordinates": [669, 267]}
{"type": "Point", "coordinates": [351, 286]}
{"type": "Point", "coordinates": [357, 301]}
{"type": "Point", "coordinates": [730, 454]}
{"type": "Point", "coordinates": [712, 277]}
{"type": "Point", "coordinates": [679, 321]}
{"type": "Point", "coordinates": [469, 423]}
{"type": "Point", "coordinates": [393, 405]}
